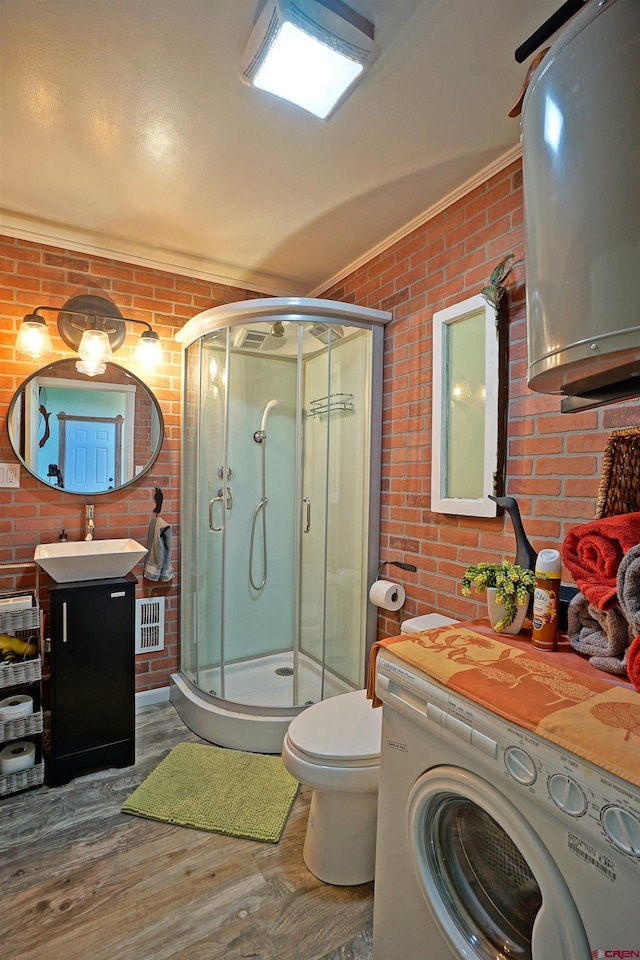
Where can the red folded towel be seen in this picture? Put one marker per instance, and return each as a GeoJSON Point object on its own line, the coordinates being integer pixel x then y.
{"type": "Point", "coordinates": [633, 663]}
{"type": "Point", "coordinates": [592, 553]}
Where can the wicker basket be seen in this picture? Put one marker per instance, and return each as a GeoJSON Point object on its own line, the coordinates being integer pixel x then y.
{"type": "Point", "coordinates": [12, 782]}
{"type": "Point", "coordinates": [24, 727]}
{"type": "Point", "coordinates": [21, 622]}
{"type": "Point", "coordinates": [619, 490]}
{"type": "Point", "coordinates": [13, 674]}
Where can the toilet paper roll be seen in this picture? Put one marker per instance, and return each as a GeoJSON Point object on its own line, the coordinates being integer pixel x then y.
{"type": "Point", "coordinates": [16, 707]}
{"type": "Point", "coordinates": [388, 595]}
{"type": "Point", "coordinates": [17, 756]}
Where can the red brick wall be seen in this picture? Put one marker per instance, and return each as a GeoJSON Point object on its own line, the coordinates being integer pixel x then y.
{"type": "Point", "coordinates": [553, 459]}
{"type": "Point", "coordinates": [31, 275]}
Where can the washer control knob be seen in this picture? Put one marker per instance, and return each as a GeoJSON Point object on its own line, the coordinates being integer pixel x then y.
{"type": "Point", "coordinates": [567, 795]}
{"type": "Point", "coordinates": [622, 828]}
{"type": "Point", "coordinates": [520, 765]}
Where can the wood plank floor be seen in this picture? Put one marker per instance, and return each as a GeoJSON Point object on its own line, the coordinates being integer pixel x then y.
{"type": "Point", "coordinates": [82, 881]}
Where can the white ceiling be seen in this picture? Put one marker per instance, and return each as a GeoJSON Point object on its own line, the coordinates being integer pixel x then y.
{"type": "Point", "coordinates": [126, 130]}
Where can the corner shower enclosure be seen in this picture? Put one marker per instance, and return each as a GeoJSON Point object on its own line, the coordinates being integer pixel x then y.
{"type": "Point", "coordinates": [280, 512]}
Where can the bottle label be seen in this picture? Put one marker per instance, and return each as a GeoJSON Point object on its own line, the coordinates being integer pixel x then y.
{"type": "Point", "coordinates": [546, 598]}
{"type": "Point", "coordinates": [544, 607]}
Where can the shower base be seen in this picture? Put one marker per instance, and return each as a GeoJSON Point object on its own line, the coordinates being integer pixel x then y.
{"type": "Point", "coordinates": [266, 694]}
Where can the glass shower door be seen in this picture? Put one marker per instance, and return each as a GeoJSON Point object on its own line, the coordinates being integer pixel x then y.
{"type": "Point", "coordinates": [203, 513]}
{"type": "Point", "coordinates": [276, 514]}
{"type": "Point", "coordinates": [335, 515]}
{"type": "Point", "coordinates": [260, 553]}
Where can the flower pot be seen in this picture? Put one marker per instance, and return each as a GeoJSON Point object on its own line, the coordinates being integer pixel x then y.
{"type": "Point", "coordinates": [496, 613]}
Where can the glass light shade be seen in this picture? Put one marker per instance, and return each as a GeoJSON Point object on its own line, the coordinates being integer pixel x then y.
{"type": "Point", "coordinates": [95, 347]}
{"type": "Point", "coordinates": [306, 72]}
{"type": "Point", "coordinates": [91, 367]}
{"type": "Point", "coordinates": [148, 352]}
{"type": "Point", "coordinates": [33, 337]}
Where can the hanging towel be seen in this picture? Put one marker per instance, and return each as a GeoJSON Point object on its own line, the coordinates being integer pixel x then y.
{"type": "Point", "coordinates": [158, 563]}
{"type": "Point", "coordinates": [592, 552]}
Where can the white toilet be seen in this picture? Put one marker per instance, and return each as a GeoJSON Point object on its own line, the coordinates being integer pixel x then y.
{"type": "Point", "coordinates": [334, 747]}
{"type": "Point", "coordinates": [427, 622]}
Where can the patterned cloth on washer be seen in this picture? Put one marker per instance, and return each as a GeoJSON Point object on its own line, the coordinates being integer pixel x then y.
{"type": "Point", "coordinates": [593, 716]}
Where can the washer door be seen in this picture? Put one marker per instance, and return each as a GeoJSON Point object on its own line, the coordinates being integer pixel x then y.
{"type": "Point", "coordinates": [491, 884]}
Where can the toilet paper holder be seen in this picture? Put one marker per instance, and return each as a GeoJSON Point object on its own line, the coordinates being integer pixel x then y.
{"type": "Point", "coordinates": [386, 594]}
{"type": "Point", "coordinates": [396, 563]}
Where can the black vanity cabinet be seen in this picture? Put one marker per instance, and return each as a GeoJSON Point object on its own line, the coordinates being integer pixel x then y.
{"type": "Point", "coordinates": [92, 676]}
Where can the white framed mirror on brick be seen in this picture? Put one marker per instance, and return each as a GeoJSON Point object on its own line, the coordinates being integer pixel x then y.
{"type": "Point", "coordinates": [465, 408]}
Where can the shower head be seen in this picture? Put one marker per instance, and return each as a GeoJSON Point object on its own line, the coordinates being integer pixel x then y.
{"type": "Point", "coordinates": [267, 410]}
{"type": "Point", "coordinates": [261, 434]}
{"type": "Point", "coordinates": [277, 330]}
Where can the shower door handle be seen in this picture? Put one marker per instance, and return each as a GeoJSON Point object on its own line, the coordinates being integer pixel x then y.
{"type": "Point", "coordinates": [212, 525]}
{"type": "Point", "coordinates": [219, 499]}
{"type": "Point", "coordinates": [307, 523]}
{"type": "Point", "coordinates": [229, 497]}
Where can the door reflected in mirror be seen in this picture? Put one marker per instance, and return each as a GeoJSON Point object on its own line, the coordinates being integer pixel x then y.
{"type": "Point", "coordinates": [85, 435]}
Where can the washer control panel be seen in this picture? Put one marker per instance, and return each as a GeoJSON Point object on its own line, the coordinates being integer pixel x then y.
{"type": "Point", "coordinates": [606, 805]}
{"type": "Point", "coordinates": [521, 766]}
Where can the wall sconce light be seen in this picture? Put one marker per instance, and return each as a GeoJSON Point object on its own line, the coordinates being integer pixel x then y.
{"type": "Point", "coordinates": [94, 327]}
{"type": "Point", "coordinates": [310, 52]}
{"type": "Point", "coordinates": [33, 338]}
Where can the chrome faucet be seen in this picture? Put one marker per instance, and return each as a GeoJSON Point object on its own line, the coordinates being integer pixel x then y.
{"type": "Point", "coordinates": [89, 524]}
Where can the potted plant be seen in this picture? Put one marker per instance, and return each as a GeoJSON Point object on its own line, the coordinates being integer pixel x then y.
{"type": "Point", "coordinates": [495, 289]}
{"type": "Point", "coordinates": [508, 587]}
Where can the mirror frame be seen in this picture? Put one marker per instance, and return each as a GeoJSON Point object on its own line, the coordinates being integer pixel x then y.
{"type": "Point", "coordinates": [85, 382]}
{"type": "Point", "coordinates": [474, 308]}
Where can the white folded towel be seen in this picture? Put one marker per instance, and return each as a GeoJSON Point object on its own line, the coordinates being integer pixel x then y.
{"type": "Point", "coordinates": [158, 562]}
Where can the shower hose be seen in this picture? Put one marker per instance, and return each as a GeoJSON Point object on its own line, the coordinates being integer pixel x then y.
{"type": "Point", "coordinates": [261, 508]}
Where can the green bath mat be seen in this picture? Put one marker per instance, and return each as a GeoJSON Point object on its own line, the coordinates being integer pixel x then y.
{"type": "Point", "coordinates": [224, 791]}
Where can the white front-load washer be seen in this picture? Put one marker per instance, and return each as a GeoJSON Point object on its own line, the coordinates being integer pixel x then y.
{"type": "Point", "coordinates": [493, 842]}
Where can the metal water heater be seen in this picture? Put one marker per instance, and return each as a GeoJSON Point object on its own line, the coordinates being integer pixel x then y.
{"type": "Point", "coordinates": [581, 158]}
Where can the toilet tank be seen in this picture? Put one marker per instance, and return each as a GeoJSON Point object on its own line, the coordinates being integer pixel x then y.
{"type": "Point", "coordinates": [581, 162]}
{"type": "Point", "coordinates": [426, 622]}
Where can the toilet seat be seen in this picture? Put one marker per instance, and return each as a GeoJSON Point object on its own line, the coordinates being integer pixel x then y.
{"type": "Point", "coordinates": [343, 731]}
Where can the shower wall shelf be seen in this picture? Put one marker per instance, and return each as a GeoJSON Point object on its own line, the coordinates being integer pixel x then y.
{"type": "Point", "coordinates": [331, 404]}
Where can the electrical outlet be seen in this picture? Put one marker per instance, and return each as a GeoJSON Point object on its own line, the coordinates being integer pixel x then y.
{"type": "Point", "coordinates": [9, 475]}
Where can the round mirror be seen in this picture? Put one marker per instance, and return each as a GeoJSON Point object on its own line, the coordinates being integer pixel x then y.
{"type": "Point", "coordinates": [85, 435]}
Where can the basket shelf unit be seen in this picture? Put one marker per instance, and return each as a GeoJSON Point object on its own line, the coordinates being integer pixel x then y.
{"type": "Point", "coordinates": [24, 676]}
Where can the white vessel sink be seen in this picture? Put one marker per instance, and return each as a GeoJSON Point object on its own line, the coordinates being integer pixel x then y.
{"type": "Point", "coordinates": [88, 559]}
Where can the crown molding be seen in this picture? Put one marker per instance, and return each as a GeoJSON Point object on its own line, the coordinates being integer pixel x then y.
{"type": "Point", "coordinates": [200, 268]}
{"type": "Point", "coordinates": [138, 254]}
{"type": "Point", "coordinates": [477, 180]}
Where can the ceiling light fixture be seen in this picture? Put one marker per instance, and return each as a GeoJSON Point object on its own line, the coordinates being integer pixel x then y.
{"type": "Point", "coordinates": [308, 52]}
{"type": "Point", "coordinates": [94, 327]}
